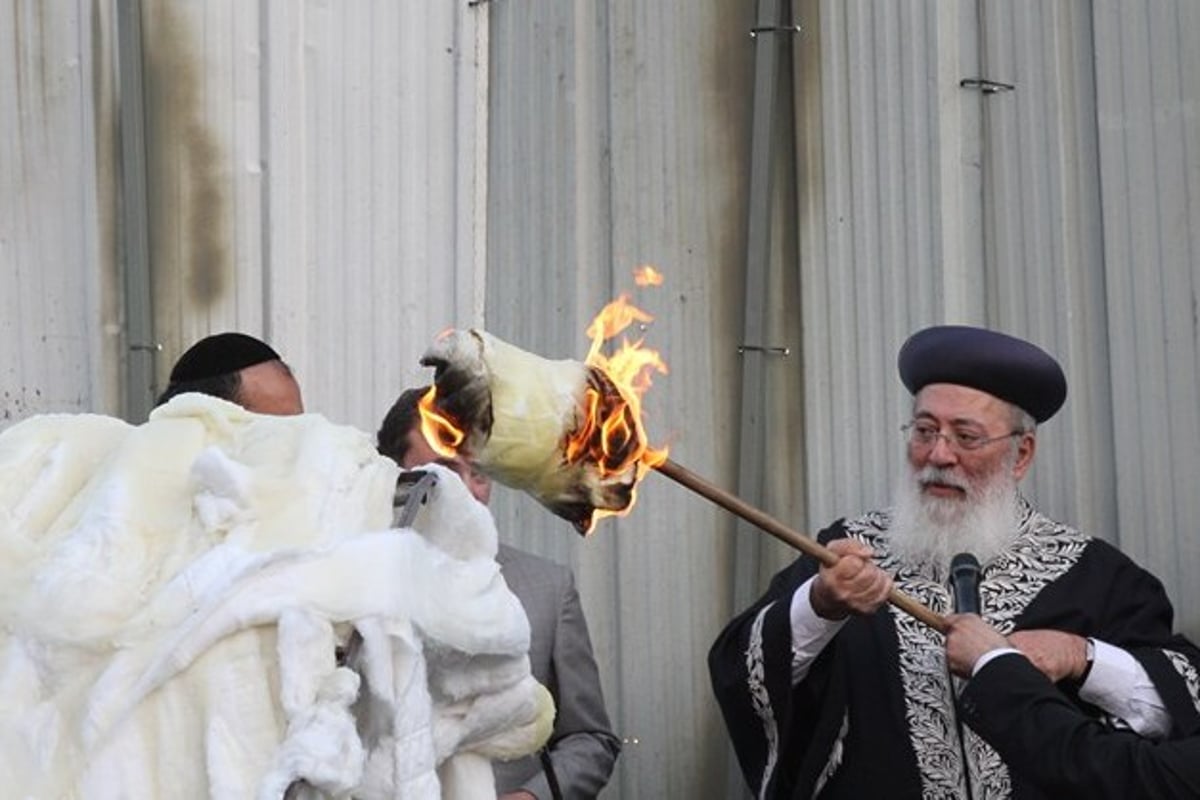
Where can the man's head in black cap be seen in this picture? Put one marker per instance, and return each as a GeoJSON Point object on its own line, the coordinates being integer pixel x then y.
{"type": "Point", "coordinates": [1003, 366]}
{"type": "Point", "coordinates": [978, 396]}
{"type": "Point", "coordinates": [240, 369]}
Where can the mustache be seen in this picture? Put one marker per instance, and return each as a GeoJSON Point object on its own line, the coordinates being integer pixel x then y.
{"type": "Point", "coordinates": [946, 477]}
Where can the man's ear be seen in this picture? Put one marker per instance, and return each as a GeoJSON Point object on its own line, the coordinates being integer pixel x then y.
{"type": "Point", "coordinates": [1026, 447]}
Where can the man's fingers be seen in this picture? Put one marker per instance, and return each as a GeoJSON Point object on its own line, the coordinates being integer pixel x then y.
{"type": "Point", "coordinates": [854, 557]}
{"type": "Point", "coordinates": [854, 584]}
{"type": "Point", "coordinates": [870, 591]}
{"type": "Point", "coordinates": [850, 547]}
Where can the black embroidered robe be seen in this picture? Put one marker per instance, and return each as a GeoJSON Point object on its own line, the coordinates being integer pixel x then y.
{"type": "Point", "coordinates": [875, 716]}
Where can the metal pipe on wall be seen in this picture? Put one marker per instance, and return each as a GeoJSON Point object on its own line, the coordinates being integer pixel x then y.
{"type": "Point", "coordinates": [768, 36]}
{"type": "Point", "coordinates": [139, 342]}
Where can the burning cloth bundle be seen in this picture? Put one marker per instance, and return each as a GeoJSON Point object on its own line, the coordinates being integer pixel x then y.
{"type": "Point", "coordinates": [567, 432]}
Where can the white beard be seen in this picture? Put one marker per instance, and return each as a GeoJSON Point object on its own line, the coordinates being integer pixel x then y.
{"type": "Point", "coordinates": [932, 530]}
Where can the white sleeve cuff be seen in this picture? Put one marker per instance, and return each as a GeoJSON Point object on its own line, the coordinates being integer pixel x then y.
{"type": "Point", "coordinates": [1120, 685]}
{"type": "Point", "coordinates": [989, 655]}
{"type": "Point", "coordinates": [810, 631]}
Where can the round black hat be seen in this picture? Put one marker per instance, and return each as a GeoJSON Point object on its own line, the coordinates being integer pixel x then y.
{"type": "Point", "coordinates": [221, 354]}
{"type": "Point", "coordinates": [1001, 365]}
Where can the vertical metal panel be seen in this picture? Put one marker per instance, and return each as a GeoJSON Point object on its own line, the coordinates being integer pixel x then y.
{"type": "Point", "coordinates": [314, 177]}
{"type": "Point", "coordinates": [1147, 56]}
{"type": "Point", "coordinates": [1043, 239]}
{"type": "Point", "coordinates": [59, 344]}
{"type": "Point", "coordinates": [889, 201]}
{"type": "Point", "coordinates": [618, 137]}
{"type": "Point", "coordinates": [938, 203]}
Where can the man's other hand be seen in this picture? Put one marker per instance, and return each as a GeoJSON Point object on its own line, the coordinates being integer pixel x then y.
{"type": "Point", "coordinates": [1056, 653]}
{"type": "Point", "coordinates": [969, 638]}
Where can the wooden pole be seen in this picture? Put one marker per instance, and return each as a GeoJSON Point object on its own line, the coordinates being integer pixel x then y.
{"type": "Point", "coordinates": [803, 543]}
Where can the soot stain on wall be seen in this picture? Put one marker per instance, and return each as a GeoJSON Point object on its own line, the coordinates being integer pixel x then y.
{"type": "Point", "coordinates": [187, 174]}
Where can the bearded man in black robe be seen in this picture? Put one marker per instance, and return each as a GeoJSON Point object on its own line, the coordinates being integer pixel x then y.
{"type": "Point", "coordinates": [827, 689]}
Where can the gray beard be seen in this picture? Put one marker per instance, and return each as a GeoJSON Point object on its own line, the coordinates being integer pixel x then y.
{"type": "Point", "coordinates": [930, 531]}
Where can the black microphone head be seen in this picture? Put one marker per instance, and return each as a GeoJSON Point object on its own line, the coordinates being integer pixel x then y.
{"type": "Point", "coordinates": [964, 583]}
{"type": "Point", "coordinates": [964, 561]}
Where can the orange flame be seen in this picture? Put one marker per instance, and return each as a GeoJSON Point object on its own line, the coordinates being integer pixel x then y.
{"type": "Point", "coordinates": [441, 433]}
{"type": "Point", "coordinates": [647, 275]}
{"type": "Point", "coordinates": [611, 434]}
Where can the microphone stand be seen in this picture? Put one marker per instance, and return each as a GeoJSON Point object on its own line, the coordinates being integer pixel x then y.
{"type": "Point", "coordinates": [964, 587]}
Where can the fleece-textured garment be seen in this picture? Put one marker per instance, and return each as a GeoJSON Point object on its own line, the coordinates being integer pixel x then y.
{"type": "Point", "coordinates": [174, 597]}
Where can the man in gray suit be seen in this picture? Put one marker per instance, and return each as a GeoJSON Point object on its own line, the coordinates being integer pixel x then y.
{"type": "Point", "coordinates": [579, 757]}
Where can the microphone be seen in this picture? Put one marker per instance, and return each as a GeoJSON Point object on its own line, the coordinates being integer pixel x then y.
{"type": "Point", "coordinates": [964, 583]}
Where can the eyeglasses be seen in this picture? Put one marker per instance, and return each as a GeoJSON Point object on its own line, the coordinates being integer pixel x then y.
{"type": "Point", "coordinates": [924, 433]}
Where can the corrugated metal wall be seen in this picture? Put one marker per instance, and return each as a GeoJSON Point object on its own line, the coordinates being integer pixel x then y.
{"type": "Point", "coordinates": [59, 311]}
{"type": "Point", "coordinates": [886, 190]}
{"type": "Point", "coordinates": [618, 137]}
{"type": "Point", "coordinates": [1042, 237]}
{"type": "Point", "coordinates": [316, 175]}
{"type": "Point", "coordinates": [963, 205]}
{"type": "Point", "coordinates": [315, 178]}
{"type": "Point", "coordinates": [1148, 114]}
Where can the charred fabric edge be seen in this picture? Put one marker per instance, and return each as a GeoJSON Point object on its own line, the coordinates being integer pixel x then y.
{"type": "Point", "coordinates": [462, 397]}
{"type": "Point", "coordinates": [609, 394]}
{"type": "Point", "coordinates": [579, 513]}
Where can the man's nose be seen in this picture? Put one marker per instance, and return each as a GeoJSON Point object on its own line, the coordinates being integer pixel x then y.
{"type": "Point", "coordinates": [942, 452]}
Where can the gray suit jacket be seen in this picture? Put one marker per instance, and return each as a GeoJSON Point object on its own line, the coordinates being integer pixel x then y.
{"type": "Point", "coordinates": [582, 747]}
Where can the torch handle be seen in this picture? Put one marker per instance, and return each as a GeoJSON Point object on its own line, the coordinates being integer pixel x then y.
{"type": "Point", "coordinates": [804, 544]}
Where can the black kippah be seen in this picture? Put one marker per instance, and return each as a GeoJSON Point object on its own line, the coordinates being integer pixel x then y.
{"type": "Point", "coordinates": [1012, 369]}
{"type": "Point", "coordinates": [221, 354]}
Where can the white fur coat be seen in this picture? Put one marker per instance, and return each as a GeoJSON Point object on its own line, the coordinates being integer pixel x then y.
{"type": "Point", "coordinates": [172, 596]}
